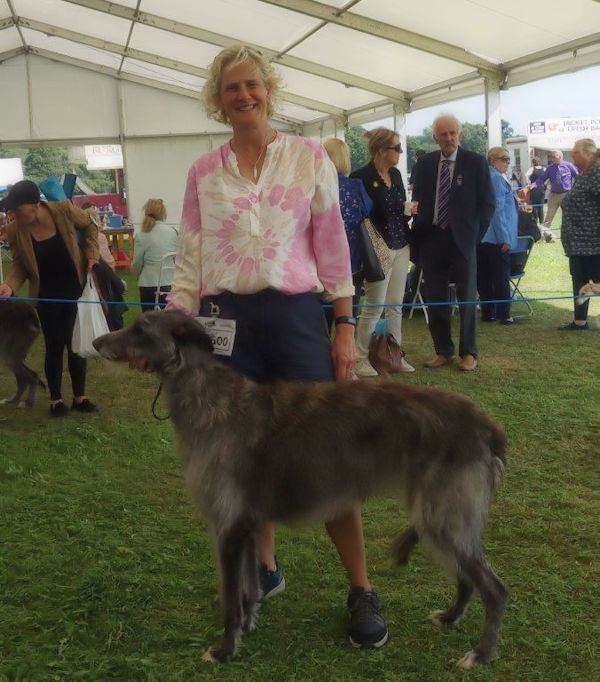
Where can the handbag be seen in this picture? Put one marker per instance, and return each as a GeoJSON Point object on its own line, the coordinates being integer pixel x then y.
{"type": "Point", "coordinates": [90, 321]}
{"type": "Point", "coordinates": [377, 259]}
{"type": "Point", "coordinates": [385, 353]}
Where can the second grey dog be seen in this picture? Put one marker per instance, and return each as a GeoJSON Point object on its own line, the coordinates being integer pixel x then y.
{"type": "Point", "coordinates": [287, 451]}
{"type": "Point", "coordinates": [19, 328]}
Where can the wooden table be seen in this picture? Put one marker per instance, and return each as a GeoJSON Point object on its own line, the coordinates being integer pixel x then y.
{"type": "Point", "coordinates": [121, 241]}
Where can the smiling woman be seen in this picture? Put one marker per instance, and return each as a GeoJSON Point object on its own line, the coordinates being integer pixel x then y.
{"type": "Point", "coordinates": [263, 243]}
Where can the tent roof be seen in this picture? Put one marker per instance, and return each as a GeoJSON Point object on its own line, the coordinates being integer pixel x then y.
{"type": "Point", "coordinates": [347, 59]}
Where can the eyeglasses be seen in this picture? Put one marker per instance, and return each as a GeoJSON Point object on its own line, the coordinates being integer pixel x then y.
{"type": "Point", "coordinates": [396, 148]}
{"type": "Point", "coordinates": [503, 158]}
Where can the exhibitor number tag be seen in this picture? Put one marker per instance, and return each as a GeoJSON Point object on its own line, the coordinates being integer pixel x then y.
{"type": "Point", "coordinates": [221, 332]}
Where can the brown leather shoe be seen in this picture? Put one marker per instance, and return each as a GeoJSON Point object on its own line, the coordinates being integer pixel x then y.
{"type": "Point", "coordinates": [468, 363]}
{"type": "Point", "coordinates": [439, 361]}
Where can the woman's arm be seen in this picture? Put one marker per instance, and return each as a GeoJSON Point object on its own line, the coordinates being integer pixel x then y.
{"type": "Point", "coordinates": [343, 350]}
{"type": "Point", "coordinates": [83, 221]}
{"type": "Point", "coordinates": [502, 194]}
{"type": "Point", "coordinates": [187, 279]}
{"type": "Point", "coordinates": [141, 245]}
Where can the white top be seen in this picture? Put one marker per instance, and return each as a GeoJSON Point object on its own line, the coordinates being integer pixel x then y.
{"type": "Point", "coordinates": [285, 232]}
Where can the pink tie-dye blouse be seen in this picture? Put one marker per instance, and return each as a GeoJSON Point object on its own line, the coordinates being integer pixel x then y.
{"type": "Point", "coordinates": [285, 232]}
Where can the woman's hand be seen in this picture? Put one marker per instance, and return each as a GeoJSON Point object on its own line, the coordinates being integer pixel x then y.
{"type": "Point", "coordinates": [343, 351]}
{"type": "Point", "coordinates": [5, 290]}
{"type": "Point", "coordinates": [90, 264]}
{"type": "Point", "coordinates": [504, 247]}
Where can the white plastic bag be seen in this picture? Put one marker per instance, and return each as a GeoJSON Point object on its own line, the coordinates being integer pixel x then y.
{"type": "Point", "coordinates": [90, 322]}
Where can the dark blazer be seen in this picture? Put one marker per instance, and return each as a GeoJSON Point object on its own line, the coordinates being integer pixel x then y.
{"type": "Point", "coordinates": [472, 200]}
{"type": "Point", "coordinates": [376, 190]}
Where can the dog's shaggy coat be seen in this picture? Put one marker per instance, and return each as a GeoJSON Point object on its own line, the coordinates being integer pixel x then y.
{"type": "Point", "coordinates": [19, 328]}
{"type": "Point", "coordinates": [286, 451]}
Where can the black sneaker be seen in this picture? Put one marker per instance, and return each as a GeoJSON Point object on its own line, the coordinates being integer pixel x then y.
{"type": "Point", "coordinates": [367, 628]}
{"type": "Point", "coordinates": [84, 406]}
{"type": "Point", "coordinates": [574, 327]}
{"type": "Point", "coordinates": [59, 409]}
{"type": "Point", "coordinates": [271, 582]}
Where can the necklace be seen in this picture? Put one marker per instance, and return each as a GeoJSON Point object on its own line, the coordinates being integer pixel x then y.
{"type": "Point", "coordinates": [255, 171]}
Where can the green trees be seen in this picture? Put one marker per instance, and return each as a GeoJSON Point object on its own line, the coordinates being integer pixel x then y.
{"type": "Point", "coordinates": [357, 144]}
{"type": "Point", "coordinates": [41, 162]}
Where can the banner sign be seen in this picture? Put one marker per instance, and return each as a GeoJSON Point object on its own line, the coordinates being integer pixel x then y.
{"type": "Point", "coordinates": [561, 133]}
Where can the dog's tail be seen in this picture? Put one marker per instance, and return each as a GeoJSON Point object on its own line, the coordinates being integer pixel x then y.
{"type": "Point", "coordinates": [35, 376]}
{"type": "Point", "coordinates": [497, 445]}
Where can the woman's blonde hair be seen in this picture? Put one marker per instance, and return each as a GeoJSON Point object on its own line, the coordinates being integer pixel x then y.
{"type": "Point", "coordinates": [587, 146]}
{"type": "Point", "coordinates": [378, 138]}
{"type": "Point", "coordinates": [232, 56]}
{"type": "Point", "coordinates": [154, 210]}
{"type": "Point", "coordinates": [339, 153]}
{"type": "Point", "coordinates": [495, 152]}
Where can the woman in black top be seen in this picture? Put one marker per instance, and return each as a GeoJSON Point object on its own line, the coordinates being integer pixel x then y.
{"type": "Point", "coordinates": [46, 251]}
{"type": "Point", "coordinates": [383, 183]}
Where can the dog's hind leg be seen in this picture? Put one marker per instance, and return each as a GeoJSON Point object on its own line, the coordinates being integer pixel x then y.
{"type": "Point", "coordinates": [232, 544]}
{"type": "Point", "coordinates": [494, 596]}
{"type": "Point", "coordinates": [404, 545]}
{"type": "Point", "coordinates": [250, 589]}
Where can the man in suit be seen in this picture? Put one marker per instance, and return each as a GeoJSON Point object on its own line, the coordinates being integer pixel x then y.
{"type": "Point", "coordinates": [453, 204]}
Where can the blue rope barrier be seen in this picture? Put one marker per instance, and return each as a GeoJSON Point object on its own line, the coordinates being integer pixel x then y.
{"type": "Point", "coordinates": [327, 305]}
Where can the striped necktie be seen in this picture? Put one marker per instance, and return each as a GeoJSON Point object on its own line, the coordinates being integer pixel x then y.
{"type": "Point", "coordinates": [443, 205]}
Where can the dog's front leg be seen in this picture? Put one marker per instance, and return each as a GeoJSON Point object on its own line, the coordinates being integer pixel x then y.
{"type": "Point", "coordinates": [231, 547]}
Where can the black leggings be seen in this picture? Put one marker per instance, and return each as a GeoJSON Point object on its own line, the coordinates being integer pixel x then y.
{"type": "Point", "coordinates": [57, 321]}
{"type": "Point", "coordinates": [583, 269]}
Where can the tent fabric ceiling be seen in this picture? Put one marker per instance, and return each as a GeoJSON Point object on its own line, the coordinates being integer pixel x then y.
{"type": "Point", "coordinates": [338, 58]}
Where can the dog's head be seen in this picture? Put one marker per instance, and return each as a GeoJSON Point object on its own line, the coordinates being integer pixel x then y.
{"type": "Point", "coordinates": [154, 341]}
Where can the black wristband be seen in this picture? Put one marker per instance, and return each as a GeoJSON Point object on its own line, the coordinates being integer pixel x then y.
{"type": "Point", "coordinates": [345, 319]}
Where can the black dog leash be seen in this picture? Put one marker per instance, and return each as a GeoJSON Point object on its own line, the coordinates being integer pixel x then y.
{"type": "Point", "coordinates": [155, 401]}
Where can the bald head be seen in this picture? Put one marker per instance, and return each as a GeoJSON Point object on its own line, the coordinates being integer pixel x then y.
{"type": "Point", "coordinates": [446, 133]}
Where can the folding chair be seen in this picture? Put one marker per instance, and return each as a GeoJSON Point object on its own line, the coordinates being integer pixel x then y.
{"type": "Point", "coordinates": [167, 264]}
{"type": "Point", "coordinates": [518, 260]}
{"type": "Point", "coordinates": [417, 300]}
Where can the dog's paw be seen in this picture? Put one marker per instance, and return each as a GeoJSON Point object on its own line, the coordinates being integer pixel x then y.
{"type": "Point", "coordinates": [208, 657]}
{"type": "Point", "coordinates": [438, 617]}
{"type": "Point", "coordinates": [468, 661]}
{"type": "Point", "coordinates": [219, 653]}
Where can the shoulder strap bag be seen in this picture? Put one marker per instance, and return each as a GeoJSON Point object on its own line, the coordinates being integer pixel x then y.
{"type": "Point", "coordinates": [377, 259]}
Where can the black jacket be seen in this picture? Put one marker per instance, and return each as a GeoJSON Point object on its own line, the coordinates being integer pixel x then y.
{"type": "Point", "coordinates": [472, 200]}
{"type": "Point", "coordinates": [376, 190]}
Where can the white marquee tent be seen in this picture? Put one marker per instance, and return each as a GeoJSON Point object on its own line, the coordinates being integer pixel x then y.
{"type": "Point", "coordinates": [91, 71]}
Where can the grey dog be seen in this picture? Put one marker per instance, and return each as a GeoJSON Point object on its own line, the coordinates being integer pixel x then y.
{"type": "Point", "coordinates": [290, 451]}
{"type": "Point", "coordinates": [19, 328]}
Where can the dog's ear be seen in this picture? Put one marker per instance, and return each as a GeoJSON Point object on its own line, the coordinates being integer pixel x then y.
{"type": "Point", "coordinates": [189, 331]}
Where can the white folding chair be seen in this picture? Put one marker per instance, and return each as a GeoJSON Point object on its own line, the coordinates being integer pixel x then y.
{"type": "Point", "coordinates": [417, 301]}
{"type": "Point", "coordinates": [167, 264]}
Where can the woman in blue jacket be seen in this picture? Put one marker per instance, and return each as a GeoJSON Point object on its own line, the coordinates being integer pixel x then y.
{"type": "Point", "coordinates": [493, 253]}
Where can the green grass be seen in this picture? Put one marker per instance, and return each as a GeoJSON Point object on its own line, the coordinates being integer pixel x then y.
{"type": "Point", "coordinates": [106, 572]}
